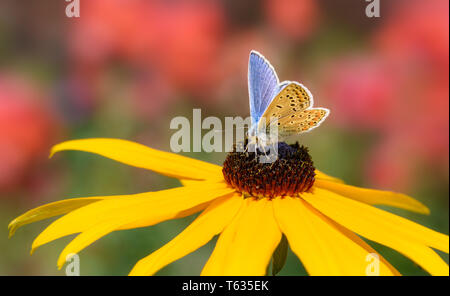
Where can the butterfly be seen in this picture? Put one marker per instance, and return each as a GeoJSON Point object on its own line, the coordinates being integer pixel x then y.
{"type": "Point", "coordinates": [287, 105]}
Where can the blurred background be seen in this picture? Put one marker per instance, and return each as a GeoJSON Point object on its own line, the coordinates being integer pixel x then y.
{"type": "Point", "coordinates": [125, 68]}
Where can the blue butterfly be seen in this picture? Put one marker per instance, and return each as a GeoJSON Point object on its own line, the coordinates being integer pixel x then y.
{"type": "Point", "coordinates": [288, 104]}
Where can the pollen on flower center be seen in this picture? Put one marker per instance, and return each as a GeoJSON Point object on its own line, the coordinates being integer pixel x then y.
{"type": "Point", "coordinates": [290, 174]}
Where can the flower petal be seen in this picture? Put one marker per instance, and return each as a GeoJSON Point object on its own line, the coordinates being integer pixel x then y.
{"type": "Point", "coordinates": [355, 238]}
{"type": "Point", "coordinates": [374, 197]}
{"type": "Point", "coordinates": [51, 210]}
{"type": "Point", "coordinates": [246, 246]}
{"type": "Point", "coordinates": [210, 223]}
{"type": "Point", "coordinates": [88, 237]}
{"type": "Point", "coordinates": [139, 210]}
{"type": "Point", "coordinates": [186, 182]}
{"type": "Point", "coordinates": [409, 238]}
{"type": "Point", "coordinates": [323, 176]}
{"type": "Point", "coordinates": [321, 246]}
{"type": "Point", "coordinates": [137, 155]}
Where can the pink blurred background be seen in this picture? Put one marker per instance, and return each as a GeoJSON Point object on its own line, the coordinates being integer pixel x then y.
{"type": "Point", "coordinates": [126, 67]}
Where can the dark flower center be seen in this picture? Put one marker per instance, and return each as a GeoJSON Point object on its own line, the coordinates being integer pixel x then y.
{"type": "Point", "coordinates": [290, 174]}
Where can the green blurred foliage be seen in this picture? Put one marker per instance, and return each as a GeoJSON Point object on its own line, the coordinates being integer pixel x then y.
{"type": "Point", "coordinates": [336, 150]}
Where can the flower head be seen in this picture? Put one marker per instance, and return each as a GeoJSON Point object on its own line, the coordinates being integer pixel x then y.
{"type": "Point", "coordinates": [321, 224]}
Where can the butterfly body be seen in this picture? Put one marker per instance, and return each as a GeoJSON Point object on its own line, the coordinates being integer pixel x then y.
{"type": "Point", "coordinates": [287, 106]}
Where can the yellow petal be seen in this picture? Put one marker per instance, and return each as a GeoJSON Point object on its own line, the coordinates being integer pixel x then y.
{"type": "Point", "coordinates": [88, 237]}
{"type": "Point", "coordinates": [99, 230]}
{"type": "Point", "coordinates": [407, 237]}
{"type": "Point", "coordinates": [247, 244]}
{"type": "Point", "coordinates": [355, 238]}
{"type": "Point", "coordinates": [51, 210]}
{"type": "Point", "coordinates": [210, 223]}
{"type": "Point", "coordinates": [323, 176]}
{"type": "Point", "coordinates": [374, 197]}
{"type": "Point", "coordinates": [321, 246]}
{"type": "Point", "coordinates": [137, 155]}
{"type": "Point", "coordinates": [186, 182]}
{"type": "Point", "coordinates": [139, 210]}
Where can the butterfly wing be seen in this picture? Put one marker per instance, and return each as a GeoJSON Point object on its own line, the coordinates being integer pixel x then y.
{"type": "Point", "coordinates": [293, 98]}
{"type": "Point", "coordinates": [262, 85]}
{"type": "Point", "coordinates": [303, 121]}
{"type": "Point", "coordinates": [292, 108]}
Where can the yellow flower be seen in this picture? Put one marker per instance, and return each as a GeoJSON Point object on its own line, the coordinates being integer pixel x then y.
{"type": "Point", "coordinates": [321, 225]}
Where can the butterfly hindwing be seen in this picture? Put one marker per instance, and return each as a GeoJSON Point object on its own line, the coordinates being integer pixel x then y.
{"type": "Point", "coordinates": [301, 122]}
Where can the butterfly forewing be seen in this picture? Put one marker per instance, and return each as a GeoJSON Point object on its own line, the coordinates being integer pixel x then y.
{"type": "Point", "coordinates": [262, 84]}
{"type": "Point", "coordinates": [291, 99]}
